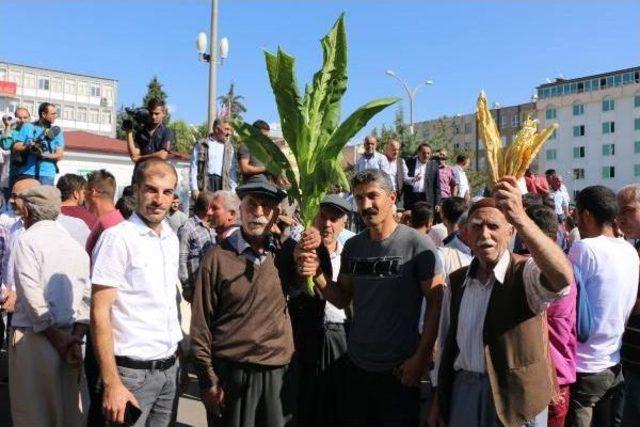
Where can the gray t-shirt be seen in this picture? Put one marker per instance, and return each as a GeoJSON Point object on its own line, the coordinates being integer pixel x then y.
{"type": "Point", "coordinates": [386, 295]}
{"type": "Point", "coordinates": [244, 153]}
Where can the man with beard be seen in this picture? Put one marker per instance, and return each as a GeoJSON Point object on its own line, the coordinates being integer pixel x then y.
{"type": "Point", "coordinates": [241, 337]}
{"type": "Point", "coordinates": [134, 312]}
{"type": "Point", "coordinates": [319, 329]}
{"type": "Point", "coordinates": [385, 272]}
{"type": "Point", "coordinates": [422, 183]}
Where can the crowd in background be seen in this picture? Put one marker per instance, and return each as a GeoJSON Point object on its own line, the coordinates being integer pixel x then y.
{"type": "Point", "coordinates": [409, 301]}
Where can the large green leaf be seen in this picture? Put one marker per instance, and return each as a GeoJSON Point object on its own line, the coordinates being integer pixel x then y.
{"type": "Point", "coordinates": [353, 124]}
{"type": "Point", "coordinates": [329, 84]}
{"type": "Point", "coordinates": [281, 70]}
{"type": "Point", "coordinates": [263, 148]}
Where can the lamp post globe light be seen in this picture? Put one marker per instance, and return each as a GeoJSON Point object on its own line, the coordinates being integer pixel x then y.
{"type": "Point", "coordinates": [411, 94]}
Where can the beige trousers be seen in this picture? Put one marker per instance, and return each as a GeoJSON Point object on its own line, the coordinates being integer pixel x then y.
{"type": "Point", "coordinates": [44, 390]}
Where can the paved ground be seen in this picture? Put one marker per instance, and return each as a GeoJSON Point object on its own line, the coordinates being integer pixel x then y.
{"type": "Point", "coordinates": [190, 410]}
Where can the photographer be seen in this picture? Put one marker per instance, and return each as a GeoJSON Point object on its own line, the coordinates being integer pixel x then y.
{"type": "Point", "coordinates": [11, 131]}
{"type": "Point", "coordinates": [154, 139]}
{"type": "Point", "coordinates": [41, 145]}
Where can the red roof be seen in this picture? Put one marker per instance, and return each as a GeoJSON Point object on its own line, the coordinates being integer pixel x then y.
{"type": "Point", "coordinates": [78, 140]}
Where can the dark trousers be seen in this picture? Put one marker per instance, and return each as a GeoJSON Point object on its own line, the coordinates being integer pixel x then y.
{"type": "Point", "coordinates": [92, 372]}
{"type": "Point", "coordinates": [213, 182]}
{"type": "Point", "coordinates": [378, 399]}
{"type": "Point", "coordinates": [631, 397]}
{"type": "Point", "coordinates": [322, 398]}
{"type": "Point", "coordinates": [411, 198]}
{"type": "Point", "coordinates": [255, 395]}
{"type": "Point", "coordinates": [597, 399]}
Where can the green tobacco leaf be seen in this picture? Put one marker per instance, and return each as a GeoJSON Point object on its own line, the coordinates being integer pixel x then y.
{"type": "Point", "coordinates": [281, 70]}
{"type": "Point", "coordinates": [353, 124]}
{"type": "Point", "coordinates": [263, 148]}
{"type": "Point", "coordinates": [329, 84]}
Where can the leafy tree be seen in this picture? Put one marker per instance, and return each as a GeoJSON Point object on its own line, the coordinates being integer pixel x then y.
{"type": "Point", "coordinates": [154, 90]}
{"type": "Point", "coordinates": [232, 103]}
{"type": "Point", "coordinates": [184, 134]}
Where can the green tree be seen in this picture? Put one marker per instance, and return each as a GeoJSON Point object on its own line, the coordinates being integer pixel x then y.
{"type": "Point", "coordinates": [442, 134]}
{"type": "Point", "coordinates": [184, 134]}
{"type": "Point", "coordinates": [232, 103]}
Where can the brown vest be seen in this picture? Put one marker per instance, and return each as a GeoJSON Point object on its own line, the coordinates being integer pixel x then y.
{"type": "Point", "coordinates": [515, 349]}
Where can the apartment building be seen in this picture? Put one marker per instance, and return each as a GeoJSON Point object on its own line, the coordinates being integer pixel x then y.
{"type": "Point", "coordinates": [83, 102]}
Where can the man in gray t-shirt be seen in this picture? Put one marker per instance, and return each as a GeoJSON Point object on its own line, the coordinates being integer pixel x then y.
{"type": "Point", "coordinates": [385, 272]}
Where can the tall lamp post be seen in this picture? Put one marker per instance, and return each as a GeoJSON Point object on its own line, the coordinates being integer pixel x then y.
{"type": "Point", "coordinates": [212, 59]}
{"type": "Point", "coordinates": [411, 94]}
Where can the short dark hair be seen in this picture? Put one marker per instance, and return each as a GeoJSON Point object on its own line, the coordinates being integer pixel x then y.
{"type": "Point", "coordinates": [601, 203]}
{"type": "Point", "coordinates": [424, 144]}
{"type": "Point", "coordinates": [545, 218]}
{"type": "Point", "coordinates": [154, 103]}
{"type": "Point", "coordinates": [373, 175]}
{"type": "Point", "coordinates": [262, 125]}
{"type": "Point", "coordinates": [220, 120]}
{"type": "Point", "coordinates": [421, 214]}
{"type": "Point", "coordinates": [69, 183]}
{"type": "Point", "coordinates": [103, 181]}
{"type": "Point", "coordinates": [127, 204]}
{"type": "Point", "coordinates": [531, 199]}
{"type": "Point", "coordinates": [141, 168]}
{"type": "Point", "coordinates": [453, 208]}
{"type": "Point", "coordinates": [44, 107]}
{"type": "Point", "coordinates": [204, 200]}
{"type": "Point", "coordinates": [461, 158]}
{"type": "Point", "coordinates": [550, 172]}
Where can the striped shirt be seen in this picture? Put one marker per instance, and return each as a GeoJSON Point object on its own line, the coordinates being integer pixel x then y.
{"type": "Point", "coordinates": [474, 304]}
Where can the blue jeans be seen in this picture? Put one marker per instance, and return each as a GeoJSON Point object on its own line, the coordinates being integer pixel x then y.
{"type": "Point", "coordinates": [156, 392]}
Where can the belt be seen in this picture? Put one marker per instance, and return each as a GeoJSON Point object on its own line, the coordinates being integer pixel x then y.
{"type": "Point", "coordinates": [150, 365]}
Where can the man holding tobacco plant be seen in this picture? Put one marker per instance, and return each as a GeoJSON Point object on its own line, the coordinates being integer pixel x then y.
{"type": "Point", "coordinates": [385, 272]}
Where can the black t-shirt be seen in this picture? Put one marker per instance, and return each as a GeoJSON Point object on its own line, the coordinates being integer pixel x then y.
{"type": "Point", "coordinates": [161, 139]}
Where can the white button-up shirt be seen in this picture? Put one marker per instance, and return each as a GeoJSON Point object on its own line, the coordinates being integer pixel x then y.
{"type": "Point", "coordinates": [215, 163]}
{"type": "Point", "coordinates": [144, 267]}
{"type": "Point", "coordinates": [377, 161]}
{"type": "Point", "coordinates": [474, 304]}
{"type": "Point", "coordinates": [393, 172]}
{"type": "Point", "coordinates": [421, 168]}
{"type": "Point", "coordinates": [333, 314]}
{"type": "Point", "coordinates": [462, 182]}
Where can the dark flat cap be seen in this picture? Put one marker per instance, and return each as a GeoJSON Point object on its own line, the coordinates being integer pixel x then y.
{"type": "Point", "coordinates": [335, 201]}
{"type": "Point", "coordinates": [262, 188]}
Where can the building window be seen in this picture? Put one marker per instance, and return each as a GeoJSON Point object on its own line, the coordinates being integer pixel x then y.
{"type": "Point", "coordinates": [43, 83]}
{"type": "Point", "coordinates": [578, 152]}
{"type": "Point", "coordinates": [550, 113]}
{"type": "Point", "coordinates": [609, 149]}
{"type": "Point", "coordinates": [609, 172]}
{"type": "Point", "coordinates": [82, 88]}
{"type": "Point", "coordinates": [636, 170]}
{"type": "Point", "coordinates": [553, 134]}
{"type": "Point", "coordinates": [105, 117]}
{"type": "Point", "coordinates": [108, 92]}
{"type": "Point", "coordinates": [81, 114]}
{"type": "Point", "coordinates": [16, 77]}
{"type": "Point", "coordinates": [56, 85]}
{"type": "Point", "coordinates": [93, 116]}
{"type": "Point", "coordinates": [578, 109]}
{"type": "Point", "coordinates": [636, 147]}
{"type": "Point", "coordinates": [551, 154]}
{"type": "Point", "coordinates": [95, 90]}
{"type": "Point", "coordinates": [467, 126]}
{"type": "Point", "coordinates": [515, 121]}
{"type": "Point", "coordinates": [578, 173]}
{"type": "Point", "coordinates": [608, 127]}
{"type": "Point", "coordinates": [636, 101]}
{"type": "Point", "coordinates": [70, 87]}
{"type": "Point", "coordinates": [636, 124]}
{"type": "Point", "coordinates": [608, 104]}
{"type": "Point", "coordinates": [29, 81]}
{"type": "Point", "coordinates": [578, 130]}
{"type": "Point", "coordinates": [502, 122]}
{"type": "Point", "coordinates": [58, 110]}
{"type": "Point", "coordinates": [69, 113]}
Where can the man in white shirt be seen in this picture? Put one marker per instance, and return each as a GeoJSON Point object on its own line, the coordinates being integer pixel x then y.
{"type": "Point", "coordinates": [607, 269]}
{"type": "Point", "coordinates": [371, 159]}
{"type": "Point", "coordinates": [46, 379]}
{"type": "Point", "coordinates": [134, 313]}
{"type": "Point", "coordinates": [558, 193]}
{"type": "Point", "coordinates": [423, 179]}
{"type": "Point", "coordinates": [462, 182]}
{"type": "Point", "coordinates": [397, 167]}
{"type": "Point", "coordinates": [213, 161]}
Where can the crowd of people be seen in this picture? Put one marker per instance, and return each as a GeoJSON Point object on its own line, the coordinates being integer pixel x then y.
{"type": "Point", "coordinates": [511, 308]}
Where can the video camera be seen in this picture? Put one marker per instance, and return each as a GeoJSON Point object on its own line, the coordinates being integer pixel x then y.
{"type": "Point", "coordinates": [138, 116]}
{"type": "Point", "coordinates": [39, 146]}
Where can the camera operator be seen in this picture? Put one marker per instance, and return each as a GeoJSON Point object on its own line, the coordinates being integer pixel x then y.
{"type": "Point", "coordinates": [41, 145]}
{"type": "Point", "coordinates": [154, 139]}
{"type": "Point", "coordinates": [11, 130]}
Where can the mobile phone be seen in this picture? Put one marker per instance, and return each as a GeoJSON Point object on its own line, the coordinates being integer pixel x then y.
{"type": "Point", "coordinates": [131, 414]}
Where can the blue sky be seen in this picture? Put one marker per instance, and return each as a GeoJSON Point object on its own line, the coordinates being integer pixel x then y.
{"type": "Point", "coordinates": [507, 48]}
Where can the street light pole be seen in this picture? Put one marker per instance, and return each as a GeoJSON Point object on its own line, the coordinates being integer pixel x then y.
{"type": "Point", "coordinates": [213, 33]}
{"type": "Point", "coordinates": [411, 94]}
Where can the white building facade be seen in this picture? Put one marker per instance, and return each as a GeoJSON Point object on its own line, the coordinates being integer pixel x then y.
{"type": "Point", "coordinates": [598, 141]}
{"type": "Point", "coordinates": [83, 102]}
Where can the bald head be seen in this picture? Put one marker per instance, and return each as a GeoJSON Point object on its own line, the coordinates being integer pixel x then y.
{"type": "Point", "coordinates": [25, 184]}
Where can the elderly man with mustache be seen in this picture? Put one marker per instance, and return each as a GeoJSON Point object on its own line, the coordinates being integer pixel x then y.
{"type": "Point", "coordinates": [495, 368]}
{"type": "Point", "coordinates": [241, 336]}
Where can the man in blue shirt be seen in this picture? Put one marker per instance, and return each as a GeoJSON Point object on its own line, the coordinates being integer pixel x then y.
{"type": "Point", "coordinates": [22, 116]}
{"type": "Point", "coordinates": [42, 166]}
